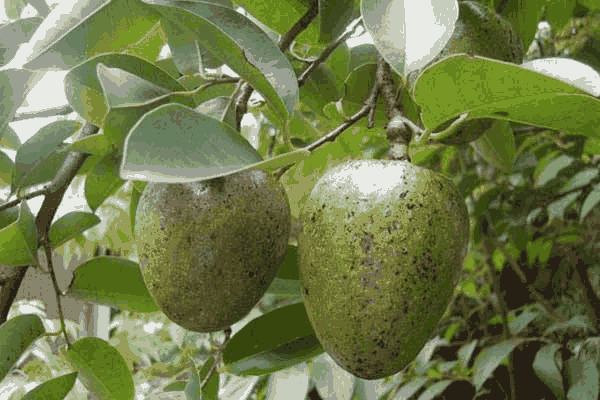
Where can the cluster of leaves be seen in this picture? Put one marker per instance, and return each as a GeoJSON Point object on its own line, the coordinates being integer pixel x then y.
{"type": "Point", "coordinates": [532, 197]}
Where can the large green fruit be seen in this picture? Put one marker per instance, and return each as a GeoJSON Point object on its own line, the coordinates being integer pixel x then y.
{"type": "Point", "coordinates": [479, 31]}
{"type": "Point", "coordinates": [380, 250]}
{"type": "Point", "coordinates": [209, 250]}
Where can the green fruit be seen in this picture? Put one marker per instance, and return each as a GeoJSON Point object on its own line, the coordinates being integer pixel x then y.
{"type": "Point", "coordinates": [380, 250]}
{"type": "Point", "coordinates": [209, 250]}
{"type": "Point", "coordinates": [479, 31]}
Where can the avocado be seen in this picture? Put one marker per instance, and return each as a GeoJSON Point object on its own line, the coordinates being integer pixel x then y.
{"type": "Point", "coordinates": [380, 250]}
{"type": "Point", "coordinates": [209, 250]}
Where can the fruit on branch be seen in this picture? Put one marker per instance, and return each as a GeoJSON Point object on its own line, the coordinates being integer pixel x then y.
{"type": "Point", "coordinates": [381, 247]}
{"type": "Point", "coordinates": [209, 250]}
{"type": "Point", "coordinates": [479, 31]}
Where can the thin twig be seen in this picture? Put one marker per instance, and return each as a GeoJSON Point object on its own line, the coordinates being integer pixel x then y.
{"type": "Point", "coordinates": [57, 291]}
{"type": "Point", "coordinates": [52, 200]}
{"type": "Point", "coordinates": [331, 136]}
{"type": "Point", "coordinates": [217, 358]}
{"type": "Point", "coordinates": [244, 91]}
{"type": "Point", "coordinates": [325, 54]}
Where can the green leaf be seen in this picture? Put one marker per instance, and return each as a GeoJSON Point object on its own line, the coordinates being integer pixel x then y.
{"type": "Point", "coordinates": [15, 33]}
{"type": "Point", "coordinates": [95, 144]}
{"type": "Point", "coordinates": [465, 353]}
{"type": "Point", "coordinates": [211, 390]}
{"type": "Point", "coordinates": [411, 388]}
{"type": "Point", "coordinates": [85, 93]}
{"type": "Point", "coordinates": [70, 225]}
{"type": "Point", "coordinates": [6, 169]}
{"type": "Point", "coordinates": [590, 202]}
{"type": "Point", "coordinates": [41, 156]}
{"type": "Point", "coordinates": [497, 146]}
{"type": "Point", "coordinates": [320, 89]}
{"type": "Point", "coordinates": [435, 390]}
{"type": "Point", "coordinates": [521, 322]}
{"type": "Point", "coordinates": [224, 31]}
{"type": "Point", "coordinates": [507, 95]}
{"type": "Point", "coordinates": [150, 154]}
{"type": "Point", "coordinates": [128, 26]}
{"type": "Point", "coordinates": [94, 280]}
{"type": "Point", "coordinates": [545, 368]}
{"type": "Point", "coordinates": [330, 380]}
{"type": "Point", "coordinates": [274, 341]}
{"type": "Point", "coordinates": [56, 388]}
{"type": "Point", "coordinates": [280, 15]}
{"type": "Point", "coordinates": [490, 358]}
{"type": "Point", "coordinates": [334, 17]}
{"type": "Point", "coordinates": [16, 335]}
{"type": "Point", "coordinates": [14, 86]}
{"type": "Point", "coordinates": [289, 267]}
{"type": "Point", "coordinates": [103, 368]}
{"type": "Point", "coordinates": [103, 181]}
{"type": "Point", "coordinates": [583, 376]}
{"type": "Point", "coordinates": [19, 238]}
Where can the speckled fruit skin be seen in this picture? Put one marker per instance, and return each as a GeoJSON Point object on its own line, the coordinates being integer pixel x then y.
{"type": "Point", "coordinates": [381, 247]}
{"type": "Point", "coordinates": [209, 250]}
{"type": "Point", "coordinates": [479, 31]}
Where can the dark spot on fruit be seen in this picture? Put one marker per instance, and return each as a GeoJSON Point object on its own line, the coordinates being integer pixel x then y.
{"type": "Point", "coordinates": [312, 218]}
{"type": "Point", "coordinates": [410, 206]}
{"type": "Point", "coordinates": [306, 291]}
{"type": "Point", "coordinates": [323, 206]}
{"type": "Point", "coordinates": [396, 272]}
{"type": "Point", "coordinates": [402, 195]}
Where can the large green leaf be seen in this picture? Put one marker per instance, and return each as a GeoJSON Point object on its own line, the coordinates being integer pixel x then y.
{"type": "Point", "coordinates": [510, 93]}
{"type": "Point", "coordinates": [71, 35]}
{"type": "Point", "coordinates": [274, 341]}
{"type": "Point", "coordinates": [245, 47]}
{"type": "Point", "coordinates": [196, 147]}
{"type": "Point", "coordinates": [94, 280]}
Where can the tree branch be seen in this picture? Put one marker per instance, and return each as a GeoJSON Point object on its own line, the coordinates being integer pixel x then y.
{"type": "Point", "coordinates": [54, 195]}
